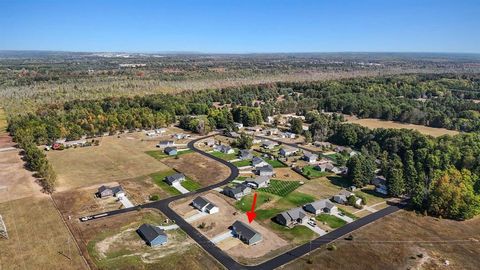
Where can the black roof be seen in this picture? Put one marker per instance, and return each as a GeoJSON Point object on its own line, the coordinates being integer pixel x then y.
{"type": "Point", "coordinates": [174, 177]}
{"type": "Point", "coordinates": [170, 148]}
{"type": "Point", "coordinates": [243, 229]}
{"type": "Point", "coordinates": [149, 232]}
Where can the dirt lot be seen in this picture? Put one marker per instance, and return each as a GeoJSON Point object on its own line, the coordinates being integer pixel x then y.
{"type": "Point", "coordinates": [220, 222]}
{"type": "Point", "coordinates": [115, 159]}
{"type": "Point", "coordinates": [288, 174]}
{"type": "Point", "coordinates": [112, 243]}
{"type": "Point", "coordinates": [38, 238]}
{"type": "Point", "coordinates": [15, 181]}
{"type": "Point", "coordinates": [376, 123]}
{"type": "Point", "coordinates": [201, 169]}
{"type": "Point", "coordinates": [403, 240]}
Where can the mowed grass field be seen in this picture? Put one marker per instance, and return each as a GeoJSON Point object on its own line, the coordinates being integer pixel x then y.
{"type": "Point", "coordinates": [38, 239]}
{"type": "Point", "coordinates": [113, 160]}
{"type": "Point", "coordinates": [403, 240]}
{"type": "Point", "coordinates": [377, 123]}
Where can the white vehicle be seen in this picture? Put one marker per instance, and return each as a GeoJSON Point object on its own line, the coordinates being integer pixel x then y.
{"type": "Point", "coordinates": [312, 223]}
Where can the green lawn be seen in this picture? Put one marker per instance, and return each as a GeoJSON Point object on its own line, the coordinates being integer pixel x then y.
{"type": "Point", "coordinates": [332, 221]}
{"type": "Point", "coordinates": [298, 199]}
{"type": "Point", "coordinates": [242, 163]}
{"type": "Point", "coordinates": [275, 163]}
{"type": "Point", "coordinates": [298, 234]}
{"type": "Point", "coordinates": [245, 204]}
{"type": "Point", "coordinates": [159, 154]}
{"type": "Point", "coordinates": [264, 214]}
{"type": "Point", "coordinates": [281, 188]}
{"type": "Point", "coordinates": [223, 156]}
{"type": "Point", "coordinates": [348, 214]}
{"type": "Point", "coordinates": [311, 172]}
{"type": "Point", "coordinates": [333, 157]}
{"type": "Point", "coordinates": [159, 177]}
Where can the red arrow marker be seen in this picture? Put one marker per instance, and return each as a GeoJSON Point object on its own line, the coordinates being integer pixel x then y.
{"type": "Point", "coordinates": [251, 214]}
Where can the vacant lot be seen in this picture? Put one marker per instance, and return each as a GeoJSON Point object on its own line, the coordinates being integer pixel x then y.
{"type": "Point", "coordinates": [15, 181]}
{"type": "Point", "coordinates": [288, 174]}
{"type": "Point", "coordinates": [38, 239]}
{"type": "Point", "coordinates": [377, 123]}
{"type": "Point", "coordinates": [115, 159]}
{"type": "Point", "coordinates": [219, 223]}
{"type": "Point", "coordinates": [403, 240]}
{"type": "Point", "coordinates": [201, 169]}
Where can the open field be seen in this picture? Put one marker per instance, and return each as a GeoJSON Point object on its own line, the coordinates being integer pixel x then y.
{"type": "Point", "coordinates": [3, 121]}
{"type": "Point", "coordinates": [377, 123]}
{"type": "Point", "coordinates": [403, 240]}
{"type": "Point", "coordinates": [218, 223]}
{"type": "Point", "coordinates": [15, 181]}
{"type": "Point", "coordinates": [288, 174]}
{"type": "Point", "coordinates": [203, 170]}
{"type": "Point", "coordinates": [115, 159]}
{"type": "Point", "coordinates": [38, 239]}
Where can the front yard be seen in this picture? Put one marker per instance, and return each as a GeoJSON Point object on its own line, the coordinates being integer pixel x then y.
{"type": "Point", "coordinates": [159, 177]}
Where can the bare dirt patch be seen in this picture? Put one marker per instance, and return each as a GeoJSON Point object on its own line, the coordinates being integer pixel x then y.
{"type": "Point", "coordinates": [377, 123]}
{"type": "Point", "coordinates": [288, 174]}
{"type": "Point", "coordinates": [403, 240]}
{"type": "Point", "coordinates": [201, 169]}
{"type": "Point", "coordinates": [15, 181]}
{"type": "Point", "coordinates": [114, 160]}
{"type": "Point", "coordinates": [38, 239]}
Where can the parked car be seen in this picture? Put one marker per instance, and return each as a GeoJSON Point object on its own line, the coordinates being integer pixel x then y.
{"type": "Point", "coordinates": [312, 223]}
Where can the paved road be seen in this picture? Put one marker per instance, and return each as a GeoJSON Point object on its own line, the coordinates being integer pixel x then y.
{"type": "Point", "coordinates": [217, 253]}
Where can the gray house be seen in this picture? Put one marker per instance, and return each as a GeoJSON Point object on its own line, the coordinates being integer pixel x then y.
{"type": "Point", "coordinates": [287, 151]}
{"type": "Point", "coordinates": [342, 196]}
{"type": "Point", "coordinates": [291, 217]}
{"type": "Point", "coordinates": [245, 154]}
{"type": "Point", "coordinates": [152, 235]}
{"type": "Point", "coordinates": [163, 144]}
{"type": "Point", "coordinates": [204, 205]}
{"type": "Point", "coordinates": [105, 191]}
{"type": "Point", "coordinates": [246, 233]}
{"type": "Point", "coordinates": [265, 170]}
{"type": "Point", "coordinates": [226, 149]}
{"type": "Point", "coordinates": [310, 157]}
{"type": "Point", "coordinates": [268, 144]}
{"type": "Point", "coordinates": [258, 182]}
{"type": "Point", "coordinates": [258, 162]}
{"type": "Point", "coordinates": [238, 191]}
{"type": "Point", "coordinates": [171, 151]}
{"type": "Point", "coordinates": [175, 178]}
{"type": "Point", "coordinates": [321, 206]}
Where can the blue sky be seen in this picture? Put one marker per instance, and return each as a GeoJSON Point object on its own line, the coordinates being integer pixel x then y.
{"type": "Point", "coordinates": [241, 26]}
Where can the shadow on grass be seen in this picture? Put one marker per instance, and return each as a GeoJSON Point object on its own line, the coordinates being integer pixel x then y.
{"type": "Point", "coordinates": [339, 181]}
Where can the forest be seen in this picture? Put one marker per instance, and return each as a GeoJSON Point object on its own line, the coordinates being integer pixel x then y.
{"type": "Point", "coordinates": [439, 175]}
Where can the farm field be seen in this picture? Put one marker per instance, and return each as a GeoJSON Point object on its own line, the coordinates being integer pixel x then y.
{"type": "Point", "coordinates": [113, 160]}
{"type": "Point", "coordinates": [202, 170]}
{"type": "Point", "coordinates": [281, 188]}
{"type": "Point", "coordinates": [38, 239]}
{"type": "Point", "coordinates": [377, 123]}
{"type": "Point", "coordinates": [413, 242]}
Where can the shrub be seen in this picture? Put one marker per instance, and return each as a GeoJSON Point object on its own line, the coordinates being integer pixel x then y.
{"type": "Point", "coordinates": [154, 197]}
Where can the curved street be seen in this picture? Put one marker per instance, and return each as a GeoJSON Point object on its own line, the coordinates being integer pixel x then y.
{"type": "Point", "coordinates": [217, 253]}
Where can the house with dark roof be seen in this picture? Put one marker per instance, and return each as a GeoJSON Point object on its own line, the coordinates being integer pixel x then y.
{"type": "Point", "coordinates": [238, 191]}
{"type": "Point", "coordinates": [287, 151]}
{"type": "Point", "coordinates": [232, 134]}
{"type": "Point", "coordinates": [170, 150]}
{"type": "Point", "coordinates": [163, 144]}
{"type": "Point", "coordinates": [266, 170]}
{"type": "Point", "coordinates": [245, 233]}
{"type": "Point", "coordinates": [258, 182]}
{"type": "Point", "coordinates": [269, 144]}
{"type": "Point", "coordinates": [245, 154]}
{"type": "Point", "coordinates": [175, 178]}
{"type": "Point", "coordinates": [310, 157]}
{"type": "Point", "coordinates": [152, 235]}
{"type": "Point", "coordinates": [226, 149]}
{"type": "Point", "coordinates": [105, 191]}
{"type": "Point", "coordinates": [291, 217]}
{"type": "Point", "coordinates": [258, 162]}
{"type": "Point", "coordinates": [321, 206]}
{"type": "Point", "coordinates": [204, 205]}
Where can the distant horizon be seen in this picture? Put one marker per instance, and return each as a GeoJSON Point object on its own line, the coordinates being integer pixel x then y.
{"type": "Point", "coordinates": [241, 27]}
